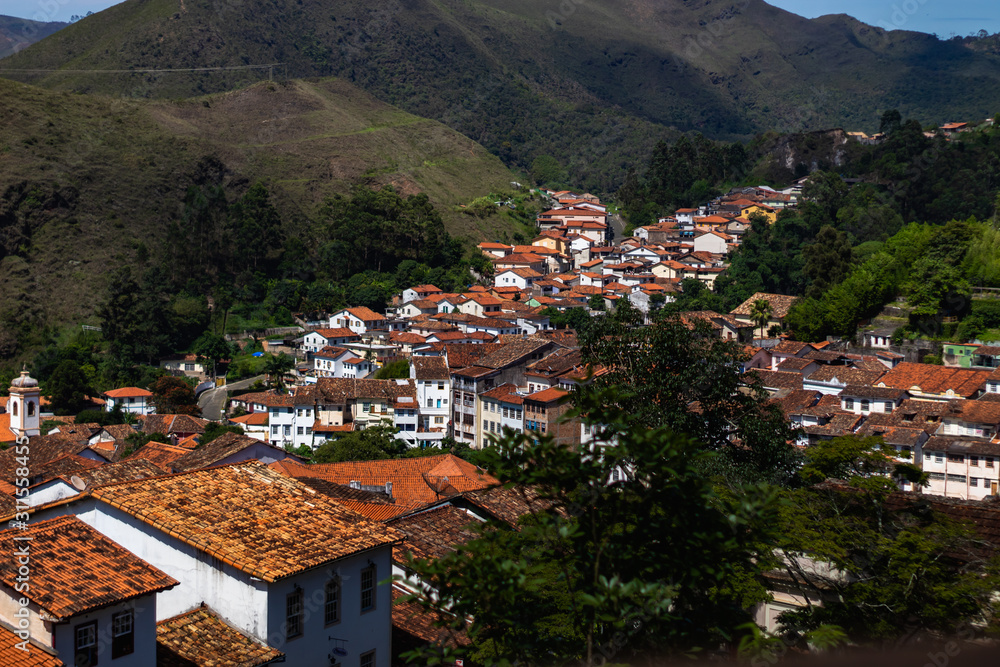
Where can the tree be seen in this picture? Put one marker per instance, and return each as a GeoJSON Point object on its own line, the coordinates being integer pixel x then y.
{"type": "Point", "coordinates": [67, 388]}
{"type": "Point", "coordinates": [214, 348]}
{"type": "Point", "coordinates": [372, 443]}
{"type": "Point", "coordinates": [827, 261]}
{"type": "Point", "coordinates": [596, 302]}
{"type": "Point", "coordinates": [891, 122]}
{"type": "Point", "coordinates": [760, 314]}
{"type": "Point", "coordinates": [589, 576]}
{"type": "Point", "coordinates": [277, 367]}
{"type": "Point", "coordinates": [173, 396]}
{"type": "Point", "coordinates": [680, 375]}
{"type": "Point", "coordinates": [399, 369]}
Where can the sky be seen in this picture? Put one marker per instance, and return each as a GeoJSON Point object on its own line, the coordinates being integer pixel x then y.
{"type": "Point", "coordinates": [942, 17]}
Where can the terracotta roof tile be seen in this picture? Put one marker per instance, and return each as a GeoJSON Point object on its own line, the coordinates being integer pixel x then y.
{"type": "Point", "coordinates": [420, 480]}
{"type": "Point", "coordinates": [167, 424]}
{"type": "Point", "coordinates": [778, 379]}
{"type": "Point", "coordinates": [845, 375]}
{"type": "Point", "coordinates": [114, 473]}
{"type": "Point", "coordinates": [62, 466]}
{"type": "Point", "coordinates": [44, 449]}
{"type": "Point", "coordinates": [338, 332]}
{"type": "Point", "coordinates": [75, 569]}
{"type": "Point", "coordinates": [159, 453]}
{"type": "Point", "coordinates": [249, 516]}
{"type": "Point", "coordinates": [217, 450]}
{"type": "Point", "coordinates": [128, 392]}
{"type": "Point", "coordinates": [935, 379]}
{"type": "Point", "coordinates": [13, 656]}
{"type": "Point", "coordinates": [411, 619]}
{"type": "Point", "coordinates": [432, 533]}
{"type": "Point", "coordinates": [199, 638]}
{"type": "Point", "coordinates": [430, 368]}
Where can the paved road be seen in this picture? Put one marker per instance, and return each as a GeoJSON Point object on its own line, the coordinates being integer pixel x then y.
{"type": "Point", "coordinates": [213, 401]}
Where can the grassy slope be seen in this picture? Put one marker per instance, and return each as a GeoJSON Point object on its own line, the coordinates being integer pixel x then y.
{"type": "Point", "coordinates": [595, 88]}
{"type": "Point", "coordinates": [85, 179]}
{"type": "Point", "coordinates": [17, 34]}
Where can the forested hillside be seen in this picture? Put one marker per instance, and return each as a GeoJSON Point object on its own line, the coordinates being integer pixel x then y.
{"type": "Point", "coordinates": [90, 183]}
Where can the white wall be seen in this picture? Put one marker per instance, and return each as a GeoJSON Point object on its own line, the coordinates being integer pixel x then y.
{"type": "Point", "coordinates": [144, 624]}
{"type": "Point", "coordinates": [363, 632]}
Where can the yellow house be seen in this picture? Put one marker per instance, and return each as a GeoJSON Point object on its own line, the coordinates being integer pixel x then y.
{"type": "Point", "coordinates": [762, 209]}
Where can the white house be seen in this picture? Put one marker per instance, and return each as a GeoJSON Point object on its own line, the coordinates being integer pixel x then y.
{"type": "Point", "coordinates": [130, 399]}
{"type": "Point", "coordinates": [274, 558]}
{"type": "Point", "coordinates": [864, 400]}
{"type": "Point", "coordinates": [713, 242]}
{"type": "Point", "coordinates": [433, 383]}
{"type": "Point", "coordinates": [314, 341]}
{"type": "Point", "coordinates": [359, 320]}
{"type": "Point", "coordinates": [89, 600]}
{"type": "Point", "coordinates": [339, 362]}
{"type": "Point", "coordinates": [964, 468]}
{"type": "Point", "coordinates": [520, 278]}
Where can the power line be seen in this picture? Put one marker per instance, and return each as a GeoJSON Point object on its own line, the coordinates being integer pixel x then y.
{"type": "Point", "coordinates": [139, 71]}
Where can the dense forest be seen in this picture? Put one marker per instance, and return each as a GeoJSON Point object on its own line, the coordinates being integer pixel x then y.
{"type": "Point", "coordinates": [238, 270]}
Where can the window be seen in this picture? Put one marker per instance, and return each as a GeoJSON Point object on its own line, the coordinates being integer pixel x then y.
{"type": "Point", "coordinates": [293, 614]}
{"type": "Point", "coordinates": [274, 430]}
{"type": "Point", "coordinates": [122, 634]}
{"type": "Point", "coordinates": [935, 475]}
{"type": "Point", "coordinates": [956, 458]}
{"type": "Point", "coordinates": [368, 588]}
{"type": "Point", "coordinates": [974, 461]}
{"type": "Point", "coordinates": [441, 385]}
{"type": "Point", "coordinates": [85, 644]}
{"type": "Point", "coordinates": [865, 405]}
{"type": "Point", "coordinates": [331, 605]}
{"type": "Point", "coordinates": [938, 457]}
{"type": "Point", "coordinates": [848, 403]}
{"type": "Point", "coordinates": [430, 402]}
{"type": "Point", "coordinates": [189, 367]}
{"type": "Point", "coordinates": [288, 430]}
{"type": "Point", "coordinates": [973, 481]}
{"type": "Point", "coordinates": [439, 420]}
{"type": "Point", "coordinates": [956, 478]}
{"type": "Point", "coordinates": [989, 461]}
{"type": "Point", "coordinates": [289, 411]}
{"type": "Point", "coordinates": [366, 407]}
{"type": "Point", "coordinates": [368, 659]}
{"type": "Point", "coordinates": [300, 430]}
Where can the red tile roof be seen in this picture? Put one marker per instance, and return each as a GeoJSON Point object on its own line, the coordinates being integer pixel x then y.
{"type": "Point", "coordinates": [933, 379]}
{"type": "Point", "coordinates": [13, 656]}
{"type": "Point", "coordinates": [127, 392]}
{"type": "Point", "coordinates": [422, 480]}
{"type": "Point", "coordinates": [256, 519]}
{"type": "Point", "coordinates": [199, 638]}
{"type": "Point", "coordinates": [339, 332]}
{"type": "Point", "coordinates": [159, 453]}
{"type": "Point", "coordinates": [548, 395]}
{"type": "Point", "coordinates": [75, 569]}
{"type": "Point", "coordinates": [366, 314]}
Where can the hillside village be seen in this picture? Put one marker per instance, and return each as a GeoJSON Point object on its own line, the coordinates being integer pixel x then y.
{"type": "Point", "coordinates": [183, 551]}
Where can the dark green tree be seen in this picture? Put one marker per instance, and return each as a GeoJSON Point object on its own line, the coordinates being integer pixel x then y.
{"type": "Point", "coordinates": [372, 443]}
{"type": "Point", "coordinates": [679, 375]}
{"type": "Point", "coordinates": [827, 261]}
{"type": "Point", "coordinates": [67, 388]}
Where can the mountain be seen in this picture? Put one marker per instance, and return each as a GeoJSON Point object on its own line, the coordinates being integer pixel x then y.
{"type": "Point", "coordinates": [594, 83]}
{"type": "Point", "coordinates": [86, 182]}
{"type": "Point", "coordinates": [17, 34]}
